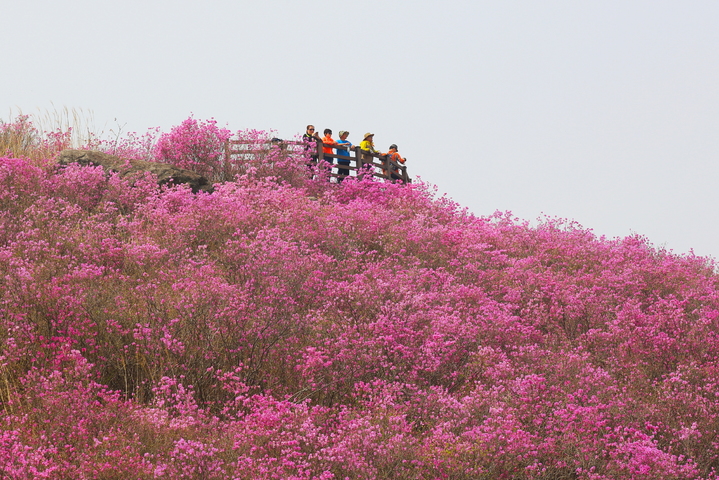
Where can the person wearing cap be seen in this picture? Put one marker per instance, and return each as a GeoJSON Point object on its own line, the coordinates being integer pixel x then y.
{"type": "Point", "coordinates": [343, 146]}
{"type": "Point", "coordinates": [394, 156]}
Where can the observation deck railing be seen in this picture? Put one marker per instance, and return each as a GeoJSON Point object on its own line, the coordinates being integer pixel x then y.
{"type": "Point", "coordinates": [361, 162]}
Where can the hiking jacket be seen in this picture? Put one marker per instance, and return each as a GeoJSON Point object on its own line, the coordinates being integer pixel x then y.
{"type": "Point", "coordinates": [395, 156]}
{"type": "Point", "coordinates": [368, 146]}
{"type": "Point", "coordinates": [327, 140]}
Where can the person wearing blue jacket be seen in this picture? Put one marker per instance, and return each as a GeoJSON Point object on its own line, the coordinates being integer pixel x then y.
{"type": "Point", "coordinates": [343, 147]}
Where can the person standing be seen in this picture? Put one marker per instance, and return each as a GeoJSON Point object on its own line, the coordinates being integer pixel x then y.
{"type": "Point", "coordinates": [367, 147]}
{"type": "Point", "coordinates": [327, 144]}
{"type": "Point", "coordinates": [368, 143]}
{"type": "Point", "coordinates": [394, 156]}
{"type": "Point", "coordinates": [343, 155]}
{"type": "Point", "coordinates": [311, 138]}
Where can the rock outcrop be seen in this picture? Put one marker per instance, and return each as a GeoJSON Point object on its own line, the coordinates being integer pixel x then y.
{"type": "Point", "coordinates": [166, 174]}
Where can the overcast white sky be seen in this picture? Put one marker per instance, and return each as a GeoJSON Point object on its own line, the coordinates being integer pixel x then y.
{"type": "Point", "coordinates": [603, 112]}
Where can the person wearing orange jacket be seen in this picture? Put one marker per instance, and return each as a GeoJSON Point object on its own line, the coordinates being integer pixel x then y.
{"type": "Point", "coordinates": [327, 144]}
{"type": "Point", "coordinates": [394, 156]}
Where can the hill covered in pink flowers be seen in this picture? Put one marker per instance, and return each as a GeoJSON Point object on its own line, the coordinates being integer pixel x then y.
{"type": "Point", "coordinates": [289, 328]}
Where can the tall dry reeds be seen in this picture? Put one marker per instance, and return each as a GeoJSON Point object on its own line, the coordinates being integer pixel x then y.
{"type": "Point", "coordinates": [42, 135]}
{"type": "Point", "coordinates": [19, 137]}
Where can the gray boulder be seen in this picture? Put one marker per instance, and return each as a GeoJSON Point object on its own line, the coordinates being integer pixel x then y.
{"type": "Point", "coordinates": [166, 174]}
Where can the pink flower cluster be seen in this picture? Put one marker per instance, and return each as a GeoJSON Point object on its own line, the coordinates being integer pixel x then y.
{"type": "Point", "coordinates": [299, 330]}
{"type": "Point", "coordinates": [195, 145]}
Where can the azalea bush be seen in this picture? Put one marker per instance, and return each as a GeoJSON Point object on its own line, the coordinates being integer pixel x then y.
{"type": "Point", "coordinates": [288, 328]}
{"type": "Point", "coordinates": [21, 138]}
{"type": "Point", "coordinates": [196, 145]}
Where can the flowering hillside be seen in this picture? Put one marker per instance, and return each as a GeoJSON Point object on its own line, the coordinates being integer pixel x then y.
{"type": "Point", "coordinates": [287, 328]}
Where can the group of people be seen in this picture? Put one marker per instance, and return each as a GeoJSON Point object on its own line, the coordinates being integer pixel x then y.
{"type": "Point", "coordinates": [343, 147]}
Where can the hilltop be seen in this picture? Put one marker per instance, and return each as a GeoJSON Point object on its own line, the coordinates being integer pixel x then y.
{"type": "Point", "coordinates": [291, 328]}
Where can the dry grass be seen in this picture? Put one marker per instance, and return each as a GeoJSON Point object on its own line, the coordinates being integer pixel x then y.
{"type": "Point", "coordinates": [40, 136]}
{"type": "Point", "coordinates": [80, 124]}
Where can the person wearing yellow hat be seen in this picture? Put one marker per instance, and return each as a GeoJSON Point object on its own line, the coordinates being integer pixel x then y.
{"type": "Point", "coordinates": [368, 143]}
{"type": "Point", "coordinates": [367, 146]}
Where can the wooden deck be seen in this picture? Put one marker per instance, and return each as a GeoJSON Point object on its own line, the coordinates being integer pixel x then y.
{"type": "Point", "coordinates": [361, 162]}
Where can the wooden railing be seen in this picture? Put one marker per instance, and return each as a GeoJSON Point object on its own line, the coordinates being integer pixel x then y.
{"type": "Point", "coordinates": [361, 162]}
